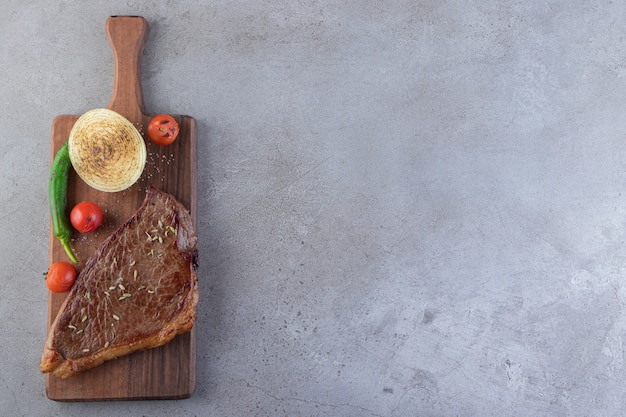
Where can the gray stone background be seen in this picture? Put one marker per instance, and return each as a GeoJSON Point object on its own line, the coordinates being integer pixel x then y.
{"type": "Point", "coordinates": [407, 208]}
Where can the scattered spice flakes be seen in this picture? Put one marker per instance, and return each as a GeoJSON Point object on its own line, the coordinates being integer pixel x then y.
{"type": "Point", "coordinates": [125, 296]}
{"type": "Point", "coordinates": [106, 345]}
{"type": "Point", "coordinates": [85, 350]}
{"type": "Point", "coordinates": [80, 331]}
{"type": "Point", "coordinates": [88, 295]}
{"type": "Point", "coordinates": [121, 287]}
{"type": "Point", "coordinates": [84, 319]}
{"type": "Point", "coordinates": [71, 326]}
{"type": "Point", "coordinates": [116, 317]}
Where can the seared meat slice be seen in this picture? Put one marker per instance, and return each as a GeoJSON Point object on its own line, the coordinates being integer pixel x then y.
{"type": "Point", "coordinates": [137, 292]}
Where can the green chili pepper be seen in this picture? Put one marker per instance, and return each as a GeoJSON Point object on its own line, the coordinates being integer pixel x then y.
{"type": "Point", "coordinates": [57, 194]}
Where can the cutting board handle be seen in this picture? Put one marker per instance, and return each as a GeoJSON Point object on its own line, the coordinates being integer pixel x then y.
{"type": "Point", "coordinates": [127, 37]}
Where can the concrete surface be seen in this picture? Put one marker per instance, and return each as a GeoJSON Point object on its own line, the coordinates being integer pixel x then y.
{"type": "Point", "coordinates": [408, 208]}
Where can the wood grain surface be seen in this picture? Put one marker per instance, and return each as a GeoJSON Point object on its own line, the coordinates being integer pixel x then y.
{"type": "Point", "coordinates": [168, 372]}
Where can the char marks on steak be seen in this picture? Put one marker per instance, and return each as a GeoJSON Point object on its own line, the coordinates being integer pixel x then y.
{"type": "Point", "coordinates": [137, 292]}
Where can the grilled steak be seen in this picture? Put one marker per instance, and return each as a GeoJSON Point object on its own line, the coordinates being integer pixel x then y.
{"type": "Point", "coordinates": [137, 292]}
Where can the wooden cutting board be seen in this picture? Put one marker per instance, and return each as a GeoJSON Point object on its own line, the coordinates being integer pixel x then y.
{"type": "Point", "coordinates": [168, 372]}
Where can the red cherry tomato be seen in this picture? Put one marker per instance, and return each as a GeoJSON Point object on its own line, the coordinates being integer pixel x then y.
{"type": "Point", "coordinates": [86, 217]}
{"type": "Point", "coordinates": [60, 276]}
{"type": "Point", "coordinates": [163, 129]}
